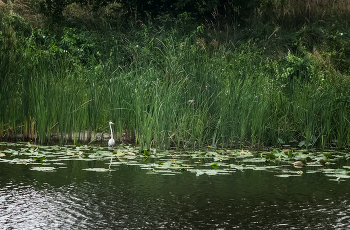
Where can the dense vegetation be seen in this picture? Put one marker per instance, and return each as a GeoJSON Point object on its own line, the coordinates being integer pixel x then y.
{"type": "Point", "coordinates": [226, 73]}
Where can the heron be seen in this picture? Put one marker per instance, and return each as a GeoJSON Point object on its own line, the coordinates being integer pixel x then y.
{"type": "Point", "coordinates": [111, 141]}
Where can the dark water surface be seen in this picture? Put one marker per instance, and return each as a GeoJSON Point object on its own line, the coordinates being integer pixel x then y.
{"type": "Point", "coordinates": [132, 198]}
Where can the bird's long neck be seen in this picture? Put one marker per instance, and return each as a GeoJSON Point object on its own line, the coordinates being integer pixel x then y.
{"type": "Point", "coordinates": [111, 131]}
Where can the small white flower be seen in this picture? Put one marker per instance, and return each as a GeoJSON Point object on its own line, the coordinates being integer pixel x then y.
{"type": "Point", "coordinates": [137, 46]}
{"type": "Point", "coordinates": [44, 36]}
{"type": "Point", "coordinates": [322, 79]}
{"type": "Point", "coordinates": [341, 33]}
{"type": "Point", "coordinates": [65, 51]}
{"type": "Point", "coordinates": [190, 101]}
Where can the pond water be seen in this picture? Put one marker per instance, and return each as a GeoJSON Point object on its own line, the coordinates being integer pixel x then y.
{"type": "Point", "coordinates": [92, 188]}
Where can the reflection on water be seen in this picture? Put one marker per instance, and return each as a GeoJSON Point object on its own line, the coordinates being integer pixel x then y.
{"type": "Point", "coordinates": [131, 199]}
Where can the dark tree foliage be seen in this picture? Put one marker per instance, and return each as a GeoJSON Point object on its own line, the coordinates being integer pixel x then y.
{"type": "Point", "coordinates": [238, 9]}
{"type": "Point", "coordinates": [53, 8]}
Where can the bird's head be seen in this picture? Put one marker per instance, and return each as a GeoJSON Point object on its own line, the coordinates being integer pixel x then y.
{"type": "Point", "coordinates": [111, 123]}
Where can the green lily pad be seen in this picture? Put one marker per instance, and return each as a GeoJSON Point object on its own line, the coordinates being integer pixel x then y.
{"type": "Point", "coordinates": [287, 175]}
{"type": "Point", "coordinates": [270, 156]}
{"type": "Point", "coordinates": [98, 169]}
{"type": "Point", "coordinates": [283, 175]}
{"type": "Point", "coordinates": [328, 155]}
{"type": "Point", "coordinates": [343, 176]}
{"type": "Point", "coordinates": [43, 169]}
{"type": "Point", "coordinates": [39, 158]}
{"type": "Point", "coordinates": [342, 171]}
{"type": "Point", "coordinates": [259, 168]}
{"type": "Point", "coordinates": [311, 171]}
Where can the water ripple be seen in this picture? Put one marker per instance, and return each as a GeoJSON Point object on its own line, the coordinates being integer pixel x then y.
{"type": "Point", "coordinates": [131, 199]}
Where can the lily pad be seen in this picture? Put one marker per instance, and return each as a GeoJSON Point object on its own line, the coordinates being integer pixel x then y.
{"type": "Point", "coordinates": [98, 169]}
{"type": "Point", "coordinates": [287, 175]}
{"type": "Point", "coordinates": [43, 169]}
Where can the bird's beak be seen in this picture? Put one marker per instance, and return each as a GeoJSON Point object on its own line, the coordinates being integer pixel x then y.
{"type": "Point", "coordinates": [112, 123]}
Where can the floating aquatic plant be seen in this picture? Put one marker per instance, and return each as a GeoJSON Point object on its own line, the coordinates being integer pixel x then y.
{"type": "Point", "coordinates": [171, 162]}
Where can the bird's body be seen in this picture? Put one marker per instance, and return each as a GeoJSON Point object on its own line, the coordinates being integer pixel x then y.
{"type": "Point", "coordinates": [111, 141]}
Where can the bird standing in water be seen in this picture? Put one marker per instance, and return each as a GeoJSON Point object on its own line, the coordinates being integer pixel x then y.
{"type": "Point", "coordinates": [111, 141]}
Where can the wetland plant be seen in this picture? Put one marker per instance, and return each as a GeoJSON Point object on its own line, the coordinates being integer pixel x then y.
{"type": "Point", "coordinates": [169, 89]}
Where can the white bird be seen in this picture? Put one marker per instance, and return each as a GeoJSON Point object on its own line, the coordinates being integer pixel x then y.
{"type": "Point", "coordinates": [111, 141]}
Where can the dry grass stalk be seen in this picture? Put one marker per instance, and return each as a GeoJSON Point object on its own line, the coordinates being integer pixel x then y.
{"type": "Point", "coordinates": [201, 42]}
{"type": "Point", "coordinates": [24, 8]}
{"type": "Point", "coordinates": [298, 11]}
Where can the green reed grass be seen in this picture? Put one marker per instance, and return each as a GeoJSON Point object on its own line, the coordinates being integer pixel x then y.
{"type": "Point", "coordinates": [168, 89]}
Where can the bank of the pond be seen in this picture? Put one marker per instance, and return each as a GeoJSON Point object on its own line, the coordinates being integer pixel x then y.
{"type": "Point", "coordinates": [185, 84]}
